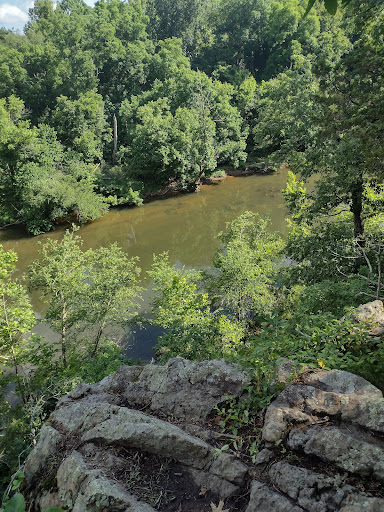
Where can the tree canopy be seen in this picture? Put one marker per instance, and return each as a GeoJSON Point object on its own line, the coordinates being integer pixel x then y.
{"type": "Point", "coordinates": [112, 102]}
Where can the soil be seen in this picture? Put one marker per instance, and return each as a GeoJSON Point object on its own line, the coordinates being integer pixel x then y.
{"type": "Point", "coordinates": [163, 483]}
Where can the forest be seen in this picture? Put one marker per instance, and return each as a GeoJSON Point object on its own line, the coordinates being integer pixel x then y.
{"type": "Point", "coordinates": [102, 106]}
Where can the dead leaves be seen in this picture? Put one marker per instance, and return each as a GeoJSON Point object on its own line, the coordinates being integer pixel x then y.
{"type": "Point", "coordinates": [219, 507]}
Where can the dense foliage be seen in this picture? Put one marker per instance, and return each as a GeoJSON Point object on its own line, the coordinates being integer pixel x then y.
{"type": "Point", "coordinates": [86, 292]}
{"type": "Point", "coordinates": [102, 106]}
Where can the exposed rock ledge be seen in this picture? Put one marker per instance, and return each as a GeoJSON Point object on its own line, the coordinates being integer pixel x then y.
{"type": "Point", "coordinates": [139, 441]}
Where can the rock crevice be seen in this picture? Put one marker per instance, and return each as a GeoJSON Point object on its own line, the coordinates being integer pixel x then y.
{"type": "Point", "coordinates": [142, 440]}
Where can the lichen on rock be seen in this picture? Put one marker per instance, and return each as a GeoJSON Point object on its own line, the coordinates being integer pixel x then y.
{"type": "Point", "coordinates": [141, 440]}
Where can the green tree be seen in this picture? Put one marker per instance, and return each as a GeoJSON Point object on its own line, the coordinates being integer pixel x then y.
{"type": "Point", "coordinates": [81, 125]}
{"type": "Point", "coordinates": [181, 306]}
{"type": "Point", "coordinates": [283, 112]}
{"type": "Point", "coordinates": [12, 71]}
{"type": "Point", "coordinates": [60, 274]}
{"type": "Point", "coordinates": [185, 19]}
{"type": "Point", "coordinates": [85, 291]}
{"type": "Point", "coordinates": [120, 48]}
{"type": "Point", "coordinates": [103, 282]}
{"type": "Point", "coordinates": [16, 321]}
{"type": "Point", "coordinates": [259, 36]}
{"type": "Point", "coordinates": [57, 56]}
{"type": "Point", "coordinates": [245, 269]}
{"type": "Point", "coordinates": [326, 251]}
{"type": "Point", "coordinates": [330, 5]}
{"type": "Point", "coordinates": [187, 125]}
{"type": "Point", "coordinates": [172, 148]}
{"type": "Point", "coordinates": [212, 313]}
{"type": "Point", "coordinates": [345, 152]}
{"type": "Point", "coordinates": [39, 180]}
{"type": "Point", "coordinates": [112, 298]}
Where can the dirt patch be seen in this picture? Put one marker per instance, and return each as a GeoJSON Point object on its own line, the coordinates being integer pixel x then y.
{"type": "Point", "coordinates": [163, 483]}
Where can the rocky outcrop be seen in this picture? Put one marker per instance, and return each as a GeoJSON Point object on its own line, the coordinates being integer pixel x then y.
{"type": "Point", "coordinates": [371, 313]}
{"type": "Point", "coordinates": [183, 389]}
{"type": "Point", "coordinates": [143, 440]}
{"type": "Point", "coordinates": [96, 437]}
{"type": "Point", "coordinates": [331, 421]}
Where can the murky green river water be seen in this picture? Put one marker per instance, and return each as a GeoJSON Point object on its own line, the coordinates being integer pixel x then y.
{"type": "Point", "coordinates": [185, 226]}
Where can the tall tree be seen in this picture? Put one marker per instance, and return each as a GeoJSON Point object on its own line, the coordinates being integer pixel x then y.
{"type": "Point", "coordinates": [245, 268]}
{"type": "Point", "coordinates": [196, 127]}
{"type": "Point", "coordinates": [81, 125]}
{"type": "Point", "coordinates": [185, 19]}
{"type": "Point", "coordinates": [86, 291]}
{"type": "Point", "coordinates": [60, 274]}
{"type": "Point", "coordinates": [347, 150]}
{"type": "Point", "coordinates": [39, 180]}
{"type": "Point", "coordinates": [113, 297]}
{"type": "Point", "coordinates": [183, 308]}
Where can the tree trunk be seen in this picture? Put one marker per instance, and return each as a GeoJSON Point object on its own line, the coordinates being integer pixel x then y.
{"type": "Point", "coordinates": [358, 224]}
{"type": "Point", "coordinates": [63, 336]}
{"type": "Point", "coordinates": [14, 359]}
{"type": "Point", "coordinates": [378, 289]}
{"type": "Point", "coordinates": [114, 139]}
{"type": "Point", "coordinates": [18, 384]}
{"type": "Point", "coordinates": [97, 340]}
{"type": "Point", "coordinates": [357, 210]}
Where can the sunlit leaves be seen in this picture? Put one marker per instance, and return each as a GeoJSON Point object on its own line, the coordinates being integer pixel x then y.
{"type": "Point", "coordinates": [85, 291]}
{"type": "Point", "coordinates": [244, 268]}
{"type": "Point", "coordinates": [16, 319]}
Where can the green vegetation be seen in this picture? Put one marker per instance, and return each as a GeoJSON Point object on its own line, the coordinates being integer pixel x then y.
{"type": "Point", "coordinates": [86, 292]}
{"type": "Point", "coordinates": [101, 106]}
{"type": "Point", "coordinates": [249, 309]}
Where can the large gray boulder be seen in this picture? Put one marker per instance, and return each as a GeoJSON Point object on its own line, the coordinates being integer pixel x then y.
{"type": "Point", "coordinates": [50, 441]}
{"type": "Point", "coordinates": [317, 492]}
{"type": "Point", "coordinates": [265, 499]}
{"type": "Point", "coordinates": [322, 394]}
{"type": "Point", "coordinates": [183, 389]}
{"type": "Point", "coordinates": [329, 420]}
{"type": "Point", "coordinates": [83, 489]}
{"type": "Point", "coordinates": [144, 440]}
{"type": "Point", "coordinates": [341, 447]}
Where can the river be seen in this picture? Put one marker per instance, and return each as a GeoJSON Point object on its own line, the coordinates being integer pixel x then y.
{"type": "Point", "coordinates": [185, 226]}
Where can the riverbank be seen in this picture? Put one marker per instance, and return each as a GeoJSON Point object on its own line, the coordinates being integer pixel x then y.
{"type": "Point", "coordinates": [173, 189]}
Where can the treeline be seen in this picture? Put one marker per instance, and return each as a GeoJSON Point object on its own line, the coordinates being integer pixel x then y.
{"type": "Point", "coordinates": [192, 85]}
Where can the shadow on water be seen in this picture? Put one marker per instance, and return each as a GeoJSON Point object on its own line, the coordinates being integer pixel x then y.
{"type": "Point", "coordinates": [140, 340]}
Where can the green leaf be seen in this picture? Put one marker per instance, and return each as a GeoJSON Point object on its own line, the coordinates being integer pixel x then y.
{"type": "Point", "coordinates": [309, 7]}
{"type": "Point", "coordinates": [15, 504]}
{"type": "Point", "coordinates": [331, 6]}
{"type": "Point", "coordinates": [19, 477]}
